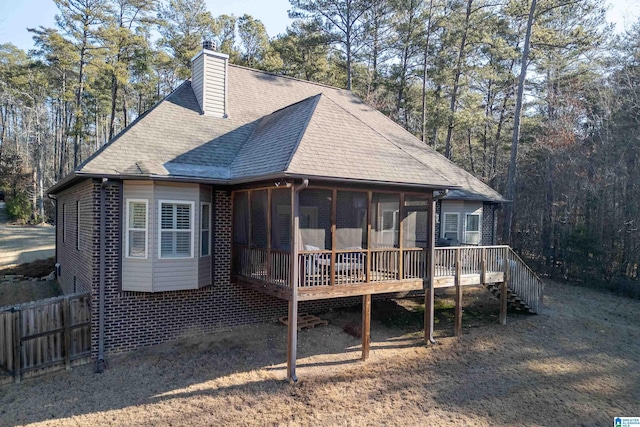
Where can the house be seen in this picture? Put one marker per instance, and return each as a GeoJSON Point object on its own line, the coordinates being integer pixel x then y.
{"type": "Point", "coordinates": [244, 194]}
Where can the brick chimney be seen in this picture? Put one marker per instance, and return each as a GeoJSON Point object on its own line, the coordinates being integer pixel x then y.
{"type": "Point", "coordinates": [209, 80]}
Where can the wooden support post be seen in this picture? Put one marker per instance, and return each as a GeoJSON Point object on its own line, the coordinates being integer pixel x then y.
{"type": "Point", "coordinates": [401, 238]}
{"type": "Point", "coordinates": [369, 214]}
{"type": "Point", "coordinates": [366, 325]}
{"type": "Point", "coordinates": [292, 341]}
{"type": "Point", "coordinates": [292, 336]}
{"type": "Point", "coordinates": [504, 286]}
{"type": "Point", "coordinates": [457, 281]}
{"type": "Point", "coordinates": [17, 344]}
{"type": "Point", "coordinates": [269, 225]}
{"type": "Point", "coordinates": [334, 216]}
{"type": "Point", "coordinates": [66, 318]}
{"type": "Point", "coordinates": [429, 293]}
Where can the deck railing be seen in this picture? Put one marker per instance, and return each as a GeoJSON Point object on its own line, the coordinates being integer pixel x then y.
{"type": "Point", "coordinates": [471, 259]}
{"type": "Point", "coordinates": [360, 266]}
{"type": "Point", "coordinates": [525, 283]}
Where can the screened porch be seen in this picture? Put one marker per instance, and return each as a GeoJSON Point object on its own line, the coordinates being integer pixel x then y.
{"type": "Point", "coordinates": [328, 241]}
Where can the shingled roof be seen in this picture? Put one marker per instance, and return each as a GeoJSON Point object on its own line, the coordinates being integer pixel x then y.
{"type": "Point", "coordinates": [276, 127]}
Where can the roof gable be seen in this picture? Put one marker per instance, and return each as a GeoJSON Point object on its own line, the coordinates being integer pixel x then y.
{"type": "Point", "coordinates": [336, 143]}
{"type": "Point", "coordinates": [274, 141]}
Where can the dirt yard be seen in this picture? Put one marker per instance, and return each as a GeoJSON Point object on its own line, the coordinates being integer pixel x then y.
{"type": "Point", "coordinates": [576, 364]}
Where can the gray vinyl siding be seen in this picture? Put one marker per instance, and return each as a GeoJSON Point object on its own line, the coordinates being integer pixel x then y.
{"type": "Point", "coordinates": [178, 273]}
{"type": "Point", "coordinates": [205, 264]}
{"type": "Point", "coordinates": [197, 71]}
{"type": "Point", "coordinates": [214, 88]}
{"type": "Point", "coordinates": [154, 274]}
{"type": "Point", "coordinates": [137, 272]}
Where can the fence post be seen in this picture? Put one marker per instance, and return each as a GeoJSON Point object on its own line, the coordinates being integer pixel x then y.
{"type": "Point", "coordinates": [66, 318]}
{"type": "Point", "coordinates": [504, 289]}
{"type": "Point", "coordinates": [458, 285]}
{"type": "Point", "coordinates": [17, 344]}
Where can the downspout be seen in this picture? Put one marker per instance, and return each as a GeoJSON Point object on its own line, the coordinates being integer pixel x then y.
{"type": "Point", "coordinates": [305, 184]}
{"type": "Point", "coordinates": [293, 305]}
{"type": "Point", "coordinates": [100, 363]}
{"type": "Point", "coordinates": [55, 221]}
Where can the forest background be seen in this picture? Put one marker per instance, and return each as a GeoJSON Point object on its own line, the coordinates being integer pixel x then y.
{"type": "Point", "coordinates": [449, 71]}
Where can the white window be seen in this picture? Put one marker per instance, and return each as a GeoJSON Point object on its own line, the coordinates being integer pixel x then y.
{"type": "Point", "coordinates": [137, 230]}
{"type": "Point", "coordinates": [450, 226]}
{"type": "Point", "coordinates": [472, 229]}
{"type": "Point", "coordinates": [205, 229]}
{"type": "Point", "coordinates": [176, 229]}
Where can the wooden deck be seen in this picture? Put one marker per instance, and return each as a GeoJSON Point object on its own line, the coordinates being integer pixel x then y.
{"type": "Point", "coordinates": [323, 274]}
{"type": "Point", "coordinates": [356, 272]}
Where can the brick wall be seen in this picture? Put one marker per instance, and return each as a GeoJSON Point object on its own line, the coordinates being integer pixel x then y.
{"type": "Point", "coordinates": [78, 262]}
{"type": "Point", "coordinates": [488, 224]}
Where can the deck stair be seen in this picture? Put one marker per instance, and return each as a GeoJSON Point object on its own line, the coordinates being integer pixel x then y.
{"type": "Point", "coordinates": [524, 287]}
{"type": "Point", "coordinates": [513, 300]}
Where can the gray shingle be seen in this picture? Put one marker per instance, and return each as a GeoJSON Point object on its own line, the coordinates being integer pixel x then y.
{"type": "Point", "coordinates": [277, 125]}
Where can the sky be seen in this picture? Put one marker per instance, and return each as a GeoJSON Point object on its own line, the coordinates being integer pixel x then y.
{"type": "Point", "coordinates": [17, 15]}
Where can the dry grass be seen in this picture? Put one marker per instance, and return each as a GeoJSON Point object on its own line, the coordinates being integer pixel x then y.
{"type": "Point", "coordinates": [575, 364]}
{"type": "Point", "coordinates": [12, 293]}
{"type": "Point", "coordinates": [16, 292]}
{"type": "Point", "coordinates": [39, 268]}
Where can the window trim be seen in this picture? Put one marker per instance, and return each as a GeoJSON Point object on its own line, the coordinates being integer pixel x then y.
{"type": "Point", "coordinates": [128, 228]}
{"type": "Point", "coordinates": [191, 227]}
{"type": "Point", "coordinates": [208, 205]}
{"type": "Point", "coordinates": [443, 228]}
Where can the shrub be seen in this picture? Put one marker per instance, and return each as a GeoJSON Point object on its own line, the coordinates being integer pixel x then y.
{"type": "Point", "coordinates": [18, 207]}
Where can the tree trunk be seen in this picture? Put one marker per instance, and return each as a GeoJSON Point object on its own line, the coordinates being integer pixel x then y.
{"type": "Point", "coordinates": [511, 180]}
{"type": "Point", "coordinates": [456, 81]}
{"type": "Point", "coordinates": [424, 76]}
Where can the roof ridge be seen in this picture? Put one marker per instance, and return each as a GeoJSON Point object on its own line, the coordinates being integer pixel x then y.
{"type": "Point", "coordinates": [303, 129]}
{"type": "Point", "coordinates": [257, 126]}
{"type": "Point", "coordinates": [386, 138]}
{"type": "Point", "coordinates": [290, 78]}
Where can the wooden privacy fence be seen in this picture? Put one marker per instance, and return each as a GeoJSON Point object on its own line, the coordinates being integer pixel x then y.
{"type": "Point", "coordinates": [44, 336]}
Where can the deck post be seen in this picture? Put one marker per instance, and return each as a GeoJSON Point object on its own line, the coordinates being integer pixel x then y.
{"type": "Point", "coordinates": [292, 336]}
{"type": "Point", "coordinates": [366, 325]}
{"type": "Point", "coordinates": [429, 293]}
{"type": "Point", "coordinates": [504, 286]}
{"type": "Point", "coordinates": [334, 216]}
{"type": "Point", "coordinates": [292, 339]}
{"type": "Point", "coordinates": [269, 220]}
{"type": "Point", "coordinates": [401, 237]}
{"type": "Point", "coordinates": [457, 280]}
{"type": "Point", "coordinates": [369, 211]}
